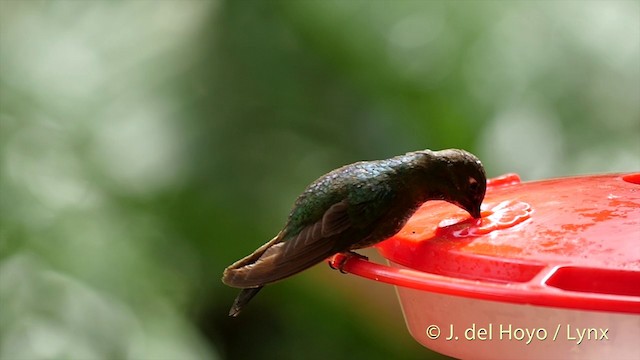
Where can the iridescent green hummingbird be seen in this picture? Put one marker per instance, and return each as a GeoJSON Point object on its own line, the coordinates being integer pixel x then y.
{"type": "Point", "coordinates": [356, 206]}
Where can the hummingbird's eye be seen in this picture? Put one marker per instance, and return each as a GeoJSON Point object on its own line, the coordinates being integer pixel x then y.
{"type": "Point", "coordinates": [473, 184]}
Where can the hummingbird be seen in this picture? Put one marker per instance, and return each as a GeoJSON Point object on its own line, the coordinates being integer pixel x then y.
{"type": "Point", "coordinates": [356, 206]}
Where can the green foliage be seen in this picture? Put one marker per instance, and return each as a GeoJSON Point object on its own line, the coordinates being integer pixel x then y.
{"type": "Point", "coordinates": [146, 145]}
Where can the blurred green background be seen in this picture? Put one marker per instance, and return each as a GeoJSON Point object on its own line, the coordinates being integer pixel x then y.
{"type": "Point", "coordinates": [146, 145]}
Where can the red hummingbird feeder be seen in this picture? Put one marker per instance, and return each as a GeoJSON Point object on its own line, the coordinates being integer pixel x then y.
{"type": "Point", "coordinates": [551, 270]}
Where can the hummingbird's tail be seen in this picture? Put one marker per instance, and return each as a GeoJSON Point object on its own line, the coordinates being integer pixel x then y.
{"type": "Point", "coordinates": [242, 300]}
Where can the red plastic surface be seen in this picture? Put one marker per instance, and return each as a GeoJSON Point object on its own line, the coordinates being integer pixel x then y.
{"type": "Point", "coordinates": [570, 242]}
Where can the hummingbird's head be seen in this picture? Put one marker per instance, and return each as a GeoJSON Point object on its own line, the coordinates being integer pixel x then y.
{"type": "Point", "coordinates": [464, 183]}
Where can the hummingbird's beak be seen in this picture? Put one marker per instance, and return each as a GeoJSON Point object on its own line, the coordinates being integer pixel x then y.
{"type": "Point", "coordinates": [472, 209]}
{"type": "Point", "coordinates": [475, 212]}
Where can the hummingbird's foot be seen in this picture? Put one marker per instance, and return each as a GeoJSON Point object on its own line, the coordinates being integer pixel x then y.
{"type": "Point", "coordinates": [339, 263]}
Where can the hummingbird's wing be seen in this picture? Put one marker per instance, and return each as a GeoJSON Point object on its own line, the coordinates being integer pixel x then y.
{"type": "Point", "coordinates": [287, 255]}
